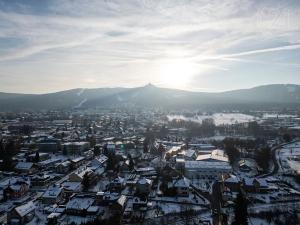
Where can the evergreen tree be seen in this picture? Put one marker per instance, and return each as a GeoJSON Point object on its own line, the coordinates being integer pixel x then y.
{"type": "Point", "coordinates": [231, 151]}
{"type": "Point", "coordinates": [37, 157]}
{"type": "Point", "coordinates": [85, 182]}
{"type": "Point", "coordinates": [131, 163]}
{"type": "Point", "coordinates": [65, 151]}
{"type": "Point", "coordinates": [240, 210]}
{"type": "Point", "coordinates": [96, 150]}
{"type": "Point", "coordinates": [263, 158]}
{"type": "Point", "coordinates": [9, 149]}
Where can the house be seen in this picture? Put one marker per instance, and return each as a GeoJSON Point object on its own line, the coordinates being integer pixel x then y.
{"type": "Point", "coordinates": [106, 198]}
{"type": "Point", "coordinates": [233, 183]}
{"type": "Point", "coordinates": [75, 148]}
{"type": "Point", "coordinates": [16, 188]}
{"type": "Point", "coordinates": [117, 184]}
{"type": "Point", "coordinates": [181, 187]}
{"type": "Point", "coordinates": [63, 167]}
{"type": "Point", "coordinates": [214, 156]}
{"type": "Point", "coordinates": [49, 163]}
{"type": "Point", "coordinates": [52, 195]}
{"type": "Point", "coordinates": [244, 165]}
{"type": "Point", "coordinates": [25, 167]}
{"type": "Point", "coordinates": [98, 162]}
{"type": "Point", "coordinates": [207, 170]}
{"type": "Point", "coordinates": [158, 163]}
{"type": "Point", "coordinates": [40, 180]}
{"type": "Point", "coordinates": [77, 176]}
{"type": "Point", "coordinates": [70, 188]}
{"type": "Point", "coordinates": [144, 185]}
{"type": "Point", "coordinates": [119, 205]}
{"type": "Point", "coordinates": [42, 157]}
{"type": "Point", "coordinates": [124, 167]}
{"type": "Point", "coordinates": [188, 154]}
{"type": "Point", "coordinates": [21, 214]}
{"type": "Point", "coordinates": [139, 204]}
{"type": "Point", "coordinates": [50, 145]}
{"type": "Point", "coordinates": [88, 154]}
{"type": "Point", "coordinates": [111, 147]}
{"type": "Point", "coordinates": [254, 185]}
{"type": "Point", "coordinates": [79, 205]}
{"type": "Point", "coordinates": [77, 162]}
{"type": "Point", "coordinates": [146, 171]}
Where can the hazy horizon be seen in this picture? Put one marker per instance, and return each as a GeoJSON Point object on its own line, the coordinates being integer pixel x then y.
{"type": "Point", "coordinates": [207, 46]}
{"type": "Point", "coordinates": [108, 87]}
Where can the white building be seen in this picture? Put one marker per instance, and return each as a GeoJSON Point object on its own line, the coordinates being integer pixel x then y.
{"type": "Point", "coordinates": [208, 170]}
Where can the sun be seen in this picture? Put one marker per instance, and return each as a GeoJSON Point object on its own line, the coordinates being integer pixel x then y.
{"type": "Point", "coordinates": [177, 73]}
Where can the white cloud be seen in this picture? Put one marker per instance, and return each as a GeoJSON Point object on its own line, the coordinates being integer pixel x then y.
{"type": "Point", "coordinates": [114, 36]}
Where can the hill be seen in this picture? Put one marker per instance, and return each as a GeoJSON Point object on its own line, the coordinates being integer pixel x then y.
{"type": "Point", "coordinates": [151, 96]}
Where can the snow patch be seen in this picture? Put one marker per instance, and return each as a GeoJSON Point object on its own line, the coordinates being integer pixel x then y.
{"type": "Point", "coordinates": [81, 103]}
{"type": "Point", "coordinates": [81, 92]}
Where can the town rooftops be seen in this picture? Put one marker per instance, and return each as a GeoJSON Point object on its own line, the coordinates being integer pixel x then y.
{"type": "Point", "coordinates": [72, 186]}
{"type": "Point", "coordinates": [24, 166]}
{"type": "Point", "coordinates": [78, 159]}
{"type": "Point", "coordinates": [80, 203]}
{"type": "Point", "coordinates": [208, 165]}
{"type": "Point", "coordinates": [184, 182]}
{"type": "Point", "coordinates": [216, 155]}
{"type": "Point", "coordinates": [23, 210]}
{"type": "Point", "coordinates": [52, 192]}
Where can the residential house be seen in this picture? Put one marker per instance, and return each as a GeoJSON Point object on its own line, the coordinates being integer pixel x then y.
{"type": "Point", "coordinates": [77, 162]}
{"type": "Point", "coordinates": [40, 180]}
{"type": "Point", "coordinates": [16, 188]}
{"type": "Point", "coordinates": [25, 167]}
{"type": "Point", "coordinates": [79, 205]}
{"type": "Point", "coordinates": [63, 167]}
{"type": "Point", "coordinates": [52, 195]}
{"type": "Point", "coordinates": [144, 185]}
{"type": "Point", "coordinates": [255, 185]}
{"type": "Point", "coordinates": [181, 186]}
{"type": "Point", "coordinates": [75, 148]}
{"type": "Point", "coordinates": [77, 176]}
{"type": "Point", "coordinates": [21, 214]}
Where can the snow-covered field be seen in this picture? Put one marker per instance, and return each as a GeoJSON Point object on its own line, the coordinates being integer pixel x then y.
{"type": "Point", "coordinates": [288, 157]}
{"type": "Point", "coordinates": [219, 118]}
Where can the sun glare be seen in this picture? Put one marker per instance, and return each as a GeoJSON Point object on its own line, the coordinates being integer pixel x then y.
{"type": "Point", "coordinates": [177, 74]}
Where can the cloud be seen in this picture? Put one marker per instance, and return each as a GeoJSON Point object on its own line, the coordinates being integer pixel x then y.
{"type": "Point", "coordinates": [119, 37]}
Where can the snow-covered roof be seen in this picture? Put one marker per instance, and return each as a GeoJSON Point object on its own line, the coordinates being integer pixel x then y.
{"type": "Point", "coordinates": [72, 186]}
{"type": "Point", "coordinates": [183, 182]}
{"type": "Point", "coordinates": [52, 192]}
{"type": "Point", "coordinates": [122, 200]}
{"type": "Point", "coordinates": [80, 203]}
{"type": "Point", "coordinates": [250, 181]}
{"type": "Point", "coordinates": [78, 159]}
{"type": "Point", "coordinates": [81, 172]}
{"type": "Point", "coordinates": [23, 210]}
{"type": "Point", "coordinates": [24, 165]}
{"type": "Point", "coordinates": [216, 155]}
{"type": "Point", "coordinates": [144, 181]}
{"type": "Point", "coordinates": [99, 160]}
{"type": "Point", "coordinates": [207, 165]}
{"type": "Point", "coordinates": [189, 152]}
{"type": "Point", "coordinates": [233, 179]}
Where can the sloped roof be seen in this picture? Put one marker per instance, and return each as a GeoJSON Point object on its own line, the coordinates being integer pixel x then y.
{"type": "Point", "coordinates": [24, 165]}
{"type": "Point", "coordinates": [23, 210]}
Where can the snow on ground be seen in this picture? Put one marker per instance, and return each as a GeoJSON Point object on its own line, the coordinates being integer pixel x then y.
{"type": "Point", "coordinates": [219, 118]}
{"type": "Point", "coordinates": [289, 157]}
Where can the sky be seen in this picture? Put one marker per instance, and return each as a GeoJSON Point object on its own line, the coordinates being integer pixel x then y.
{"type": "Point", "coordinates": [198, 45]}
